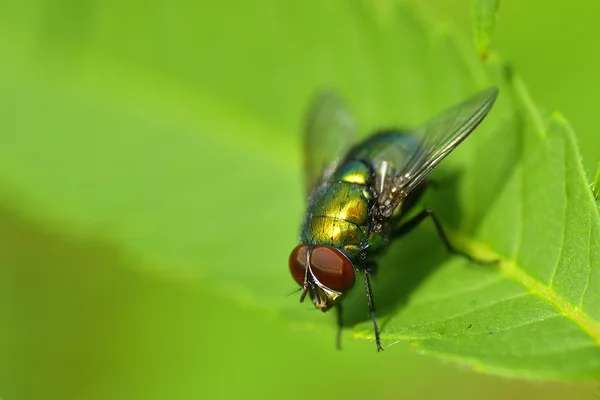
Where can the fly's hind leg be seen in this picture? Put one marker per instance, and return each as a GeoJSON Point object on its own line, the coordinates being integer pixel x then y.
{"type": "Point", "coordinates": [409, 225]}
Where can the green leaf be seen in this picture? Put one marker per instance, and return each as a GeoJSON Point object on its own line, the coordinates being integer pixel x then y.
{"type": "Point", "coordinates": [179, 144]}
{"type": "Point", "coordinates": [536, 314]}
{"type": "Point", "coordinates": [485, 13]}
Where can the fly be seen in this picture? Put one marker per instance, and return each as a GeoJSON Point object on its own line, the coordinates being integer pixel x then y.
{"type": "Point", "coordinates": [360, 193]}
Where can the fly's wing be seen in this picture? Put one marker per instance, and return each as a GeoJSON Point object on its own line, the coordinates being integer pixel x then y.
{"type": "Point", "coordinates": [400, 172]}
{"type": "Point", "coordinates": [329, 132]}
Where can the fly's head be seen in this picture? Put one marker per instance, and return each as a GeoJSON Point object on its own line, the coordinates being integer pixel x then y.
{"type": "Point", "coordinates": [324, 273]}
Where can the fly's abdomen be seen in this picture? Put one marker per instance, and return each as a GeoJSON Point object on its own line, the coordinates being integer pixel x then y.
{"type": "Point", "coordinates": [338, 214]}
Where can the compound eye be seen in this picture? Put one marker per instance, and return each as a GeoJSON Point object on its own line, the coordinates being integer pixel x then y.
{"type": "Point", "coordinates": [332, 268]}
{"type": "Point", "coordinates": [298, 263]}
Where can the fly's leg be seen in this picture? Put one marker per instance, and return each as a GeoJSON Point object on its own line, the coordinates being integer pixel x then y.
{"type": "Point", "coordinates": [340, 325]}
{"type": "Point", "coordinates": [415, 221]}
{"type": "Point", "coordinates": [372, 308]}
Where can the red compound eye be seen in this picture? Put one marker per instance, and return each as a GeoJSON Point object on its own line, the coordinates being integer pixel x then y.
{"type": "Point", "coordinates": [331, 267]}
{"type": "Point", "coordinates": [298, 263]}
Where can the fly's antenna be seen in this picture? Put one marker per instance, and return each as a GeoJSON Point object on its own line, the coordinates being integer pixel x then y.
{"type": "Point", "coordinates": [307, 266]}
{"type": "Point", "coordinates": [307, 281]}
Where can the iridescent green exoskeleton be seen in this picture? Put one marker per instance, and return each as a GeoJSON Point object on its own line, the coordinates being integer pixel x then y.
{"type": "Point", "coordinates": [358, 193]}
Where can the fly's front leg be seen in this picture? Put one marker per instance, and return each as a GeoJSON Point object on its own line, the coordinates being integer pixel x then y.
{"type": "Point", "coordinates": [372, 307]}
{"type": "Point", "coordinates": [415, 221]}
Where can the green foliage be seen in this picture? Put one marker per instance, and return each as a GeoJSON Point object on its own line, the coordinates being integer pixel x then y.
{"type": "Point", "coordinates": [485, 13]}
{"type": "Point", "coordinates": [535, 315]}
{"type": "Point", "coordinates": [157, 151]}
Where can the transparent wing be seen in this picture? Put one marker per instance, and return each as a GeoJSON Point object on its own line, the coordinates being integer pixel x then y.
{"type": "Point", "coordinates": [329, 132]}
{"type": "Point", "coordinates": [400, 170]}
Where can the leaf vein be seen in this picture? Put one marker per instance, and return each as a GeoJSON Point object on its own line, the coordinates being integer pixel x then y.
{"type": "Point", "coordinates": [575, 314]}
{"type": "Point", "coordinates": [400, 336]}
{"type": "Point", "coordinates": [520, 325]}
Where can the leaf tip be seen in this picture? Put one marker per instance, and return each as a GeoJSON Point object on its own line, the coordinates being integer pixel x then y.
{"type": "Point", "coordinates": [485, 13]}
{"type": "Point", "coordinates": [558, 118]}
{"type": "Point", "coordinates": [596, 184]}
{"type": "Point", "coordinates": [483, 53]}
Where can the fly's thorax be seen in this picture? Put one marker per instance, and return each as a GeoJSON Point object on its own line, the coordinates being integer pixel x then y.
{"type": "Point", "coordinates": [338, 212]}
{"type": "Point", "coordinates": [353, 171]}
{"type": "Point", "coordinates": [347, 196]}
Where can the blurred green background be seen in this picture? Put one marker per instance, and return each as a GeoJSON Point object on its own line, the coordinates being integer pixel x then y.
{"type": "Point", "coordinates": [93, 305]}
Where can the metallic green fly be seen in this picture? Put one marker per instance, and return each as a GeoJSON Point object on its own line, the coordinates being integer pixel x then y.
{"type": "Point", "coordinates": [359, 194]}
